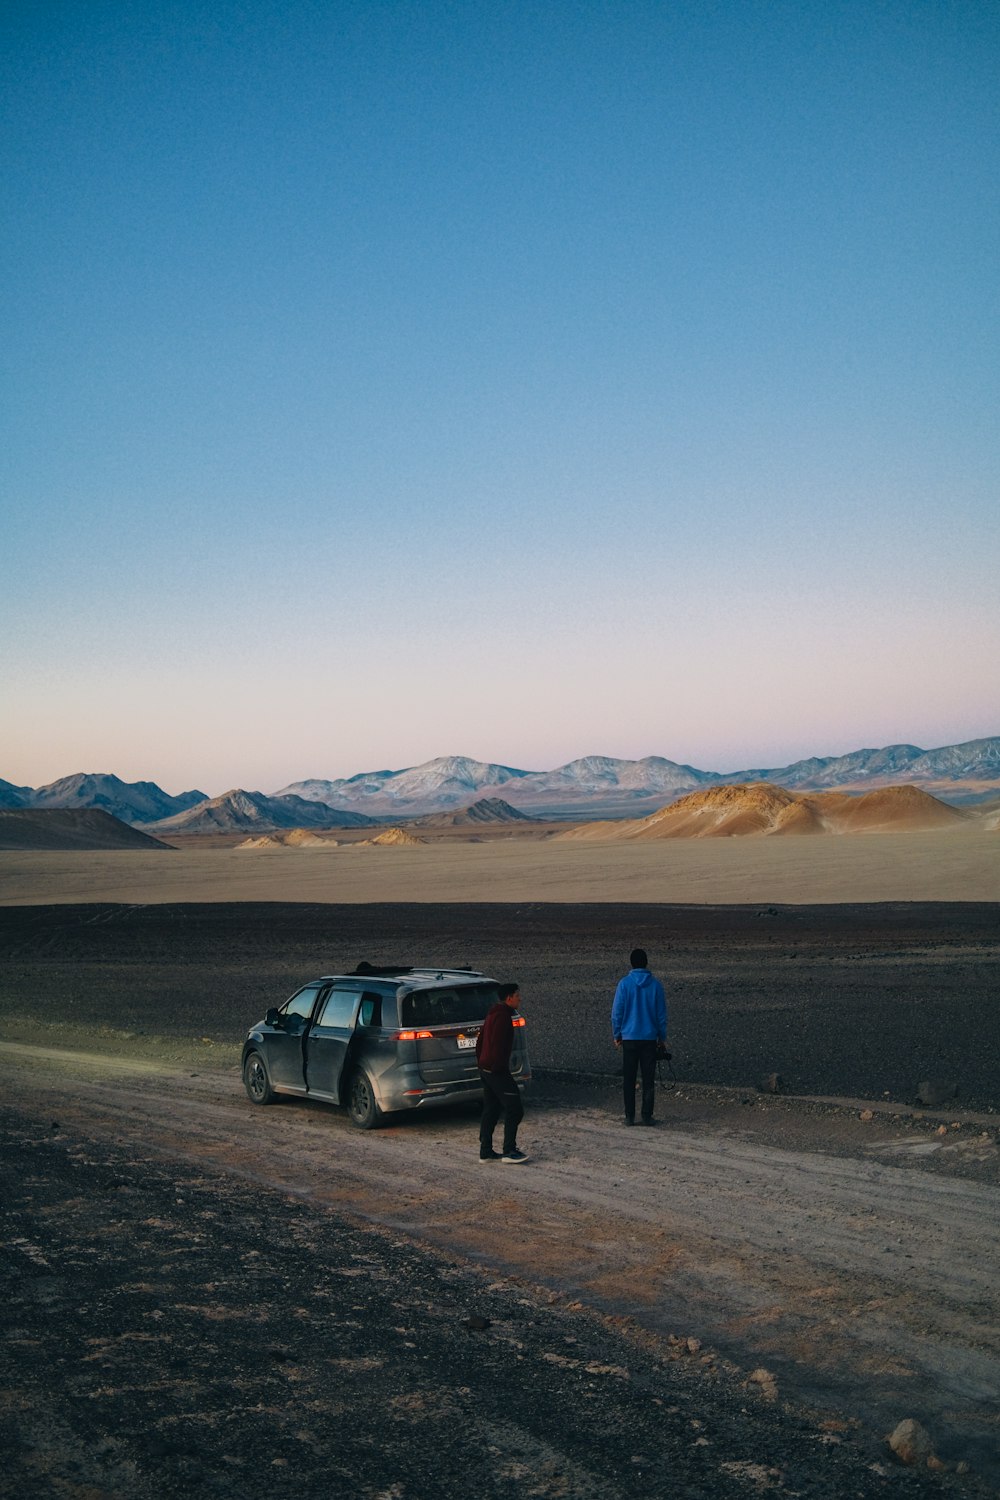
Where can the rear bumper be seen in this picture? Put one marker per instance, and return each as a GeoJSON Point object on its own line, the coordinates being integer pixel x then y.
{"type": "Point", "coordinates": [427, 1095]}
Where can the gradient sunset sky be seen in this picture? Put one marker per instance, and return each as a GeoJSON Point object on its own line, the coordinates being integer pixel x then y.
{"type": "Point", "coordinates": [523, 381]}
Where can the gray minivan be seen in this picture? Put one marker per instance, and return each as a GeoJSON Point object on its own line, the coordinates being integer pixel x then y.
{"type": "Point", "coordinates": [377, 1041]}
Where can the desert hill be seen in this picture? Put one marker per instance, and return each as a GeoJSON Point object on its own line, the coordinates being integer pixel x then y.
{"type": "Point", "coordinates": [69, 828]}
{"type": "Point", "coordinates": [486, 810]}
{"type": "Point", "coordinates": [761, 809]}
{"type": "Point", "coordinates": [296, 838]}
{"type": "Point", "coordinates": [391, 836]}
{"type": "Point", "coordinates": [251, 812]}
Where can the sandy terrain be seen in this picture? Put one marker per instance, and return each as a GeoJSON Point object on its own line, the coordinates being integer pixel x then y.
{"type": "Point", "coordinates": [962, 866]}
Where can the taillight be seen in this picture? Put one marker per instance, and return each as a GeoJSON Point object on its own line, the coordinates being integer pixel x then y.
{"type": "Point", "coordinates": [518, 1021]}
{"type": "Point", "coordinates": [412, 1036]}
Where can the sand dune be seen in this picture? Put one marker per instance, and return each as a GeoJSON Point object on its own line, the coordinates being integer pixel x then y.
{"type": "Point", "coordinates": [756, 808]}
{"type": "Point", "coordinates": [391, 837]}
{"type": "Point", "coordinates": [296, 838]}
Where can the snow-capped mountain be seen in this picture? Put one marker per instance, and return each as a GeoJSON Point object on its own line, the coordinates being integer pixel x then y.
{"type": "Point", "coordinates": [448, 781]}
{"type": "Point", "coordinates": [595, 786]}
{"type": "Point", "coordinates": [602, 786]}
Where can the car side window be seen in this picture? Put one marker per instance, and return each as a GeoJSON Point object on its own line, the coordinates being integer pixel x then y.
{"type": "Point", "coordinates": [301, 1005]}
{"type": "Point", "coordinates": [339, 1008]}
{"type": "Point", "coordinates": [370, 1013]}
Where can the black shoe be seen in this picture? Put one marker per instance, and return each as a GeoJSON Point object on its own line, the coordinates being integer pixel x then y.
{"type": "Point", "coordinates": [514, 1156]}
{"type": "Point", "coordinates": [629, 1120]}
{"type": "Point", "coordinates": [490, 1155]}
{"type": "Point", "coordinates": [650, 1121]}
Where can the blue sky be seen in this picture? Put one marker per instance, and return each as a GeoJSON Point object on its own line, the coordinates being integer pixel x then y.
{"type": "Point", "coordinates": [523, 381]}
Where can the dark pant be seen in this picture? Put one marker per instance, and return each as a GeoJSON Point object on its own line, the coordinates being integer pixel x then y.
{"type": "Point", "coordinates": [638, 1056]}
{"type": "Point", "coordinates": [501, 1096]}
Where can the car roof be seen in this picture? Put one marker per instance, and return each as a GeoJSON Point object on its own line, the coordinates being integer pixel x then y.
{"type": "Point", "coordinates": [402, 976]}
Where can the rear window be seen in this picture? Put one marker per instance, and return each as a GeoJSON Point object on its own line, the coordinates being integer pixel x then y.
{"type": "Point", "coordinates": [448, 1007]}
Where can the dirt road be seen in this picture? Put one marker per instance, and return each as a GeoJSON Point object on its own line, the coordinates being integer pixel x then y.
{"type": "Point", "coordinates": [793, 1253]}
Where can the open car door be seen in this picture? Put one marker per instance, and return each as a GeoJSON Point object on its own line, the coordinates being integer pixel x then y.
{"type": "Point", "coordinates": [328, 1041]}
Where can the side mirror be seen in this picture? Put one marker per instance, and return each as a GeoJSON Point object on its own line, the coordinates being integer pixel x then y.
{"type": "Point", "coordinates": [273, 1017]}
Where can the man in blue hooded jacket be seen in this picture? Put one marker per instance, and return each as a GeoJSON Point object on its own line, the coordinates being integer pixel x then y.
{"type": "Point", "coordinates": [638, 1025]}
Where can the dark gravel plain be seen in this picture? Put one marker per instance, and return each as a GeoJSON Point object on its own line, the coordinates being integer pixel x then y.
{"type": "Point", "coordinates": [861, 1001]}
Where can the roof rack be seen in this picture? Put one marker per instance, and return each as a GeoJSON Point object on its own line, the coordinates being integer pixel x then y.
{"type": "Point", "coordinates": [382, 971]}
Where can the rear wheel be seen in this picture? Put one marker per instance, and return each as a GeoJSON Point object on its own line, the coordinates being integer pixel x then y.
{"type": "Point", "coordinates": [256, 1080]}
{"type": "Point", "coordinates": [361, 1105]}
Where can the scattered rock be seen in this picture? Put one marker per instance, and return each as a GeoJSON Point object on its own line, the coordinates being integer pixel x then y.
{"type": "Point", "coordinates": [693, 1345]}
{"type": "Point", "coordinates": [772, 1084]}
{"type": "Point", "coordinates": [476, 1324]}
{"type": "Point", "coordinates": [766, 1381]}
{"type": "Point", "coordinates": [941, 1130]}
{"type": "Point", "coordinates": [934, 1091]}
{"type": "Point", "coordinates": [867, 1114]}
{"type": "Point", "coordinates": [911, 1442]}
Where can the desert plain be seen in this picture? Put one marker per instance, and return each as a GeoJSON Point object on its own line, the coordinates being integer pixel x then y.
{"type": "Point", "coordinates": [206, 1297]}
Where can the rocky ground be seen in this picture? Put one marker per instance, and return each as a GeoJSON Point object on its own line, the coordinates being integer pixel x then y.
{"type": "Point", "coordinates": [207, 1297]}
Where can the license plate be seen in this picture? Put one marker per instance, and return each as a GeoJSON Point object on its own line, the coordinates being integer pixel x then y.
{"type": "Point", "coordinates": [466, 1042]}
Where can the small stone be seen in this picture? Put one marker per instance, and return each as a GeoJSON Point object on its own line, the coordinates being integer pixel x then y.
{"type": "Point", "coordinates": [911, 1442]}
{"type": "Point", "coordinates": [941, 1130]}
{"type": "Point", "coordinates": [476, 1324]}
{"type": "Point", "coordinates": [937, 1463]}
{"type": "Point", "coordinates": [693, 1345]}
{"type": "Point", "coordinates": [867, 1114]}
{"type": "Point", "coordinates": [772, 1084]}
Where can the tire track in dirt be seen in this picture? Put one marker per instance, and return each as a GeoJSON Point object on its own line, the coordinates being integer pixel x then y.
{"type": "Point", "coordinates": [862, 1287]}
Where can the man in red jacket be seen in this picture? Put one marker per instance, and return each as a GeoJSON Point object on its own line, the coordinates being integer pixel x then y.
{"type": "Point", "coordinates": [500, 1093]}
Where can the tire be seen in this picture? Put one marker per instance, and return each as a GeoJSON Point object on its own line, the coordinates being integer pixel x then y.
{"type": "Point", "coordinates": [361, 1105]}
{"type": "Point", "coordinates": [256, 1080]}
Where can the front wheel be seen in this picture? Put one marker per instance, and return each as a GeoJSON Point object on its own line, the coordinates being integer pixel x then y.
{"type": "Point", "coordinates": [256, 1081]}
{"type": "Point", "coordinates": [361, 1105]}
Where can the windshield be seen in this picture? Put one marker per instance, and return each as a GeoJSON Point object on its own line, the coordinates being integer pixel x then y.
{"type": "Point", "coordinates": [448, 1007]}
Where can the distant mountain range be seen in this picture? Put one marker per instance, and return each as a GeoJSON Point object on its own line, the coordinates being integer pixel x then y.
{"type": "Point", "coordinates": [131, 801]}
{"type": "Point", "coordinates": [592, 787]}
{"type": "Point", "coordinates": [599, 786]}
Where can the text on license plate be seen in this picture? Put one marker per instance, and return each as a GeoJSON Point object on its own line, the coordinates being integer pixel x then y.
{"type": "Point", "coordinates": [465, 1042]}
